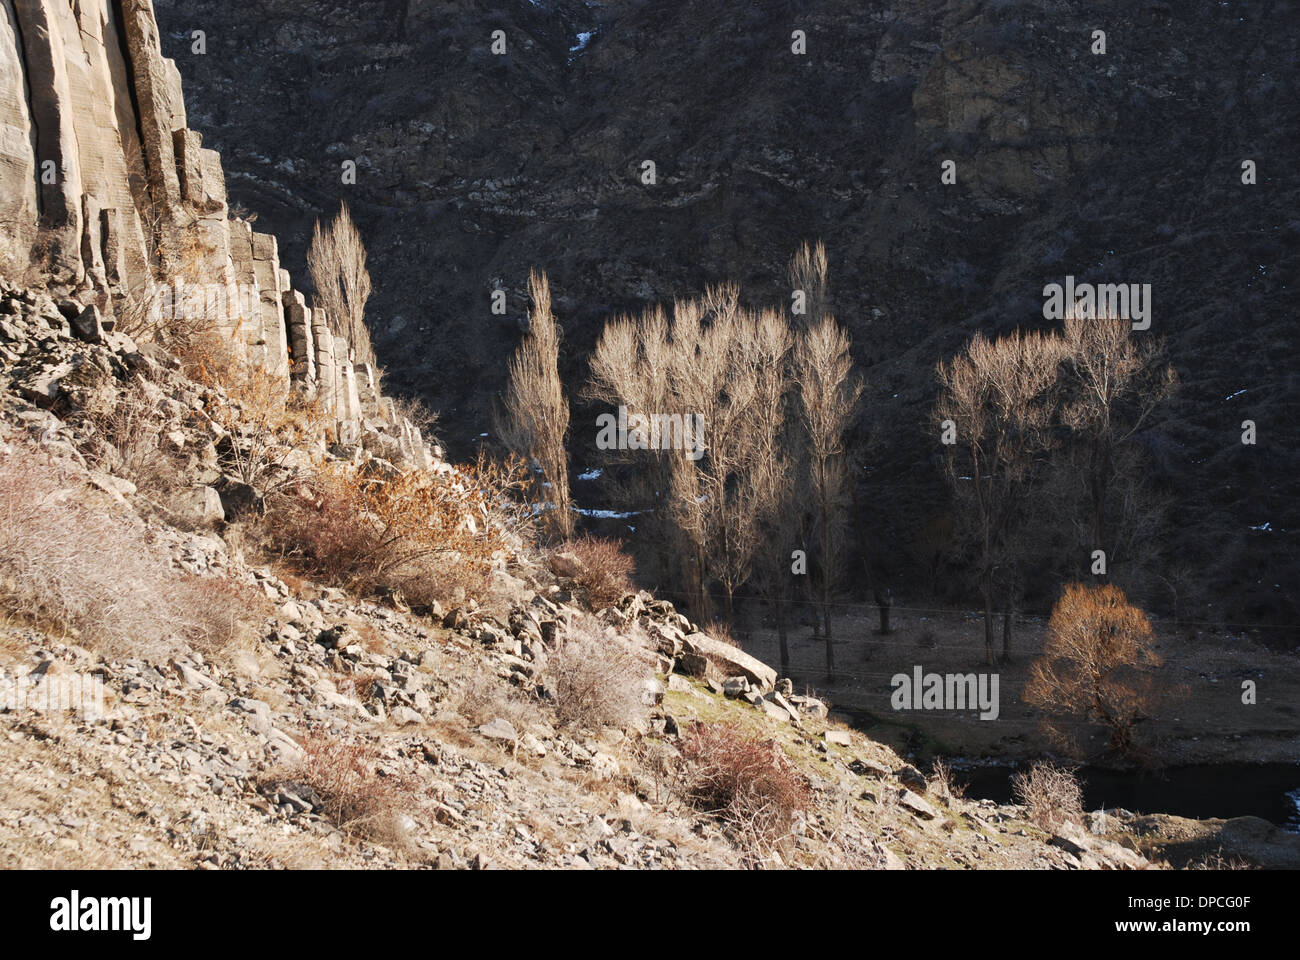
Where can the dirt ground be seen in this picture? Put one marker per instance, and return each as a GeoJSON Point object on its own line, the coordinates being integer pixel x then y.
{"type": "Point", "coordinates": [1200, 717]}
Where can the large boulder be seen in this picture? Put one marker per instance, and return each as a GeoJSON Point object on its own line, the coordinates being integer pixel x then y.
{"type": "Point", "coordinates": [699, 652]}
{"type": "Point", "coordinates": [199, 507]}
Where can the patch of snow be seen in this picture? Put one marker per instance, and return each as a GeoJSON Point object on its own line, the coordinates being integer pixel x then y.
{"type": "Point", "coordinates": [1266, 527]}
{"type": "Point", "coordinates": [594, 473]}
{"type": "Point", "coordinates": [1237, 394]}
{"type": "Point", "coordinates": [607, 514]}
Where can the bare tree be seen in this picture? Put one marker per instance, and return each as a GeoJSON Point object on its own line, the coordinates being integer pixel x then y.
{"type": "Point", "coordinates": [337, 261]}
{"type": "Point", "coordinates": [721, 367]}
{"type": "Point", "coordinates": [808, 272]}
{"type": "Point", "coordinates": [822, 370]}
{"type": "Point", "coordinates": [750, 471]}
{"type": "Point", "coordinates": [998, 397]}
{"type": "Point", "coordinates": [535, 423]}
{"type": "Point", "coordinates": [1113, 386]}
{"type": "Point", "coordinates": [808, 276]}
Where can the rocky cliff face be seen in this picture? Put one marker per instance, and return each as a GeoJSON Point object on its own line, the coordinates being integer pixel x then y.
{"type": "Point", "coordinates": [102, 177]}
{"type": "Point", "coordinates": [1117, 167]}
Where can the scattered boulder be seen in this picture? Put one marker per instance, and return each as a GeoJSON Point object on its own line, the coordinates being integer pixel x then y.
{"type": "Point", "coordinates": [500, 730]}
{"type": "Point", "coordinates": [198, 507]}
{"type": "Point", "coordinates": [910, 801]}
{"type": "Point", "coordinates": [699, 650]}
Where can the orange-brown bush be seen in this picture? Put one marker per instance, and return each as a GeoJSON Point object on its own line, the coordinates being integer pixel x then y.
{"type": "Point", "coordinates": [353, 794]}
{"type": "Point", "coordinates": [1052, 794]}
{"type": "Point", "coordinates": [367, 533]}
{"type": "Point", "coordinates": [606, 571]}
{"type": "Point", "coordinates": [1096, 665]}
{"type": "Point", "coordinates": [71, 565]}
{"type": "Point", "coordinates": [748, 783]}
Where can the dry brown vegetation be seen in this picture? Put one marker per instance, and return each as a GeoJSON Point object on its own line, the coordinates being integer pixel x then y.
{"type": "Point", "coordinates": [485, 697]}
{"type": "Point", "coordinates": [73, 566]}
{"type": "Point", "coordinates": [1096, 666]}
{"type": "Point", "coordinates": [344, 527]}
{"type": "Point", "coordinates": [352, 793]}
{"type": "Point", "coordinates": [130, 438]}
{"type": "Point", "coordinates": [747, 783]}
{"type": "Point", "coordinates": [606, 571]}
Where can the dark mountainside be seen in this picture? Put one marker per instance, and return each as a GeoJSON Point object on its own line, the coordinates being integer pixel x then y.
{"type": "Point", "coordinates": [1121, 168]}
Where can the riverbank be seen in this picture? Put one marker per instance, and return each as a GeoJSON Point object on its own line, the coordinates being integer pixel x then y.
{"type": "Point", "coordinates": [1200, 718]}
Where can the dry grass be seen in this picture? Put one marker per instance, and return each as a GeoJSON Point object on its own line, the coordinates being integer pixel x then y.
{"type": "Point", "coordinates": [720, 630]}
{"type": "Point", "coordinates": [1052, 794]}
{"type": "Point", "coordinates": [606, 571]}
{"type": "Point", "coordinates": [98, 577]}
{"type": "Point", "coordinates": [598, 676]}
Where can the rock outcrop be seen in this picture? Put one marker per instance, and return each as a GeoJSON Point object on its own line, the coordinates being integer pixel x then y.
{"type": "Point", "coordinates": [103, 182]}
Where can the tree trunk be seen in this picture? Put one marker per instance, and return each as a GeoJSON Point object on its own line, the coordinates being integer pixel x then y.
{"type": "Point", "coordinates": [884, 601]}
{"type": "Point", "coordinates": [781, 635]}
{"type": "Point", "coordinates": [1008, 611]}
{"type": "Point", "coordinates": [830, 660]}
{"type": "Point", "coordinates": [988, 627]}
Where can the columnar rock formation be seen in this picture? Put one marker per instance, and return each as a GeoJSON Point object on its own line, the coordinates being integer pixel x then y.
{"type": "Point", "coordinates": [102, 180]}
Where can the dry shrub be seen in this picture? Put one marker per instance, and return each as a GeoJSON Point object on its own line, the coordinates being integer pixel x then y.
{"type": "Point", "coordinates": [99, 577]}
{"type": "Point", "coordinates": [606, 571]}
{"type": "Point", "coordinates": [215, 615]}
{"type": "Point", "coordinates": [265, 422]}
{"type": "Point", "coordinates": [130, 428]}
{"type": "Point", "coordinates": [944, 782]}
{"type": "Point", "coordinates": [353, 795]}
{"type": "Point", "coordinates": [721, 631]}
{"type": "Point", "coordinates": [1217, 861]}
{"type": "Point", "coordinates": [1052, 794]}
{"type": "Point", "coordinates": [416, 410]}
{"type": "Point", "coordinates": [408, 533]}
{"type": "Point", "coordinates": [597, 675]}
{"type": "Point", "coordinates": [748, 783]}
{"type": "Point", "coordinates": [147, 315]}
{"type": "Point", "coordinates": [486, 697]}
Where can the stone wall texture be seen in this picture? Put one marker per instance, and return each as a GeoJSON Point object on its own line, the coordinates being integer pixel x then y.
{"type": "Point", "coordinates": [100, 174]}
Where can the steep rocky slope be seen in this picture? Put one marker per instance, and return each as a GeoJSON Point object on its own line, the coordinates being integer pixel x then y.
{"type": "Point", "coordinates": [443, 730]}
{"type": "Point", "coordinates": [339, 732]}
{"type": "Point", "coordinates": [1123, 167]}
